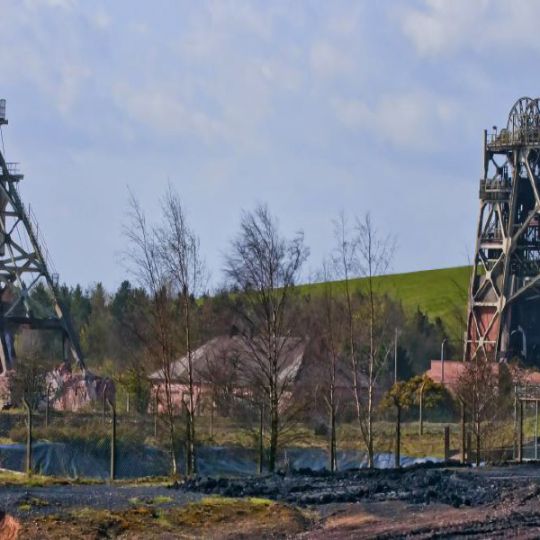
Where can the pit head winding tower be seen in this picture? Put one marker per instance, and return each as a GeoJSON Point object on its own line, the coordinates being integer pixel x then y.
{"type": "Point", "coordinates": [504, 296]}
{"type": "Point", "coordinates": [24, 263]}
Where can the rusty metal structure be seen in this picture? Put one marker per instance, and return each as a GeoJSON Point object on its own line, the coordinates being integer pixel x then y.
{"type": "Point", "coordinates": [24, 263]}
{"type": "Point", "coordinates": [504, 295]}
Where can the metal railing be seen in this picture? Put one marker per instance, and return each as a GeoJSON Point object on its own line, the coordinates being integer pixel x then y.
{"type": "Point", "coordinates": [13, 168]}
{"type": "Point", "coordinates": [40, 239]}
{"type": "Point", "coordinates": [495, 189]}
{"type": "Point", "coordinates": [494, 236]}
{"type": "Point", "coordinates": [517, 136]}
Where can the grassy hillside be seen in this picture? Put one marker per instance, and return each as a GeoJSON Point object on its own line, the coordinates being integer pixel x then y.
{"type": "Point", "coordinates": [438, 293]}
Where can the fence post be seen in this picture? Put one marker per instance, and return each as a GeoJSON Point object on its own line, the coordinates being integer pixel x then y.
{"type": "Point", "coordinates": [536, 430]}
{"type": "Point", "coordinates": [446, 443]}
{"type": "Point", "coordinates": [113, 440]}
{"type": "Point", "coordinates": [212, 417]}
{"type": "Point", "coordinates": [397, 455]}
{"type": "Point", "coordinates": [47, 407]}
{"type": "Point", "coordinates": [520, 434]}
{"type": "Point", "coordinates": [155, 416]}
{"type": "Point", "coordinates": [261, 440]}
{"type": "Point", "coordinates": [516, 422]}
{"type": "Point", "coordinates": [28, 436]}
{"type": "Point", "coordinates": [463, 450]}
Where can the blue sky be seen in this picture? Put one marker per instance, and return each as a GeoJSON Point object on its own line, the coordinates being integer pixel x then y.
{"type": "Point", "coordinates": [313, 107]}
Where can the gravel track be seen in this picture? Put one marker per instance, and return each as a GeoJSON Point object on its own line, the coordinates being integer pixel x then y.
{"type": "Point", "coordinates": [23, 501]}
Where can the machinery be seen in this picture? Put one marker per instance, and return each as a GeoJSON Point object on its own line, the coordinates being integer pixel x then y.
{"type": "Point", "coordinates": [24, 264]}
{"type": "Point", "coordinates": [504, 297]}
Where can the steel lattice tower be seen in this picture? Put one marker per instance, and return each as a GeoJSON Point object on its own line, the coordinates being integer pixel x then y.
{"type": "Point", "coordinates": [24, 264]}
{"type": "Point", "coordinates": [504, 296]}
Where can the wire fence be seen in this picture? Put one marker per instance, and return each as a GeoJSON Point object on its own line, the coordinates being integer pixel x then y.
{"type": "Point", "coordinates": [106, 443]}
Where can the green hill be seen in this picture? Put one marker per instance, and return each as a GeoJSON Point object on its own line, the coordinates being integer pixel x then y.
{"type": "Point", "coordinates": [438, 293]}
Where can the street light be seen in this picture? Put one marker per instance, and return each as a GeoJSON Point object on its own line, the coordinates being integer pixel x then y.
{"type": "Point", "coordinates": [442, 359]}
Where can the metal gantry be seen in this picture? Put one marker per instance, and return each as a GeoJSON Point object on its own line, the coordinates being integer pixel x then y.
{"type": "Point", "coordinates": [23, 264]}
{"type": "Point", "coordinates": [504, 295]}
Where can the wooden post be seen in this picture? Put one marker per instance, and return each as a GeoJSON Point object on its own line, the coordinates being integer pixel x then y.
{"type": "Point", "coordinates": [446, 443]}
{"type": "Point", "coordinates": [28, 436]}
{"type": "Point", "coordinates": [212, 416]}
{"type": "Point", "coordinates": [536, 430]}
{"type": "Point", "coordinates": [113, 440]}
{"type": "Point", "coordinates": [421, 411]}
{"type": "Point", "coordinates": [515, 424]}
{"type": "Point", "coordinates": [155, 415]}
{"type": "Point", "coordinates": [333, 449]}
{"type": "Point", "coordinates": [189, 445]}
{"type": "Point", "coordinates": [397, 456]}
{"type": "Point", "coordinates": [520, 433]}
{"type": "Point", "coordinates": [463, 453]}
{"type": "Point", "coordinates": [261, 441]}
{"type": "Point", "coordinates": [47, 407]}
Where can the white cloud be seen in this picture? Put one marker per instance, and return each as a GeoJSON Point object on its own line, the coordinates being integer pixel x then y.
{"type": "Point", "coordinates": [165, 112]}
{"type": "Point", "coordinates": [52, 65]}
{"type": "Point", "coordinates": [101, 19]}
{"type": "Point", "coordinates": [64, 4]}
{"type": "Point", "coordinates": [352, 113]}
{"type": "Point", "coordinates": [328, 61]}
{"type": "Point", "coordinates": [442, 27]}
{"type": "Point", "coordinates": [414, 120]}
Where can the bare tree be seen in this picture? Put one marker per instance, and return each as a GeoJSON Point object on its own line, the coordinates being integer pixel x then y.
{"type": "Point", "coordinates": [157, 329]}
{"type": "Point", "coordinates": [264, 266]}
{"type": "Point", "coordinates": [180, 255]}
{"type": "Point", "coordinates": [332, 337]}
{"type": "Point", "coordinates": [375, 254]}
{"type": "Point", "coordinates": [362, 252]}
{"type": "Point", "coordinates": [345, 261]}
{"type": "Point", "coordinates": [478, 391]}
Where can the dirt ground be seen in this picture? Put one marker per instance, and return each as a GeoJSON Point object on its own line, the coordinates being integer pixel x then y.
{"type": "Point", "coordinates": [423, 502]}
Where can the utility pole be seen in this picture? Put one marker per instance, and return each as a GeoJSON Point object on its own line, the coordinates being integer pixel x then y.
{"type": "Point", "coordinates": [395, 355]}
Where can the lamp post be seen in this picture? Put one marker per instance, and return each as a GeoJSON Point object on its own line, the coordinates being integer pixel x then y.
{"type": "Point", "coordinates": [442, 359]}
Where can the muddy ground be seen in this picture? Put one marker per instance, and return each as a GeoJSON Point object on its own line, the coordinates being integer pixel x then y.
{"type": "Point", "coordinates": [421, 502]}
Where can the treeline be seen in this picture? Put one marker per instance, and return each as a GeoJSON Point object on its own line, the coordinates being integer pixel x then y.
{"type": "Point", "coordinates": [103, 322]}
{"type": "Point", "coordinates": [162, 313]}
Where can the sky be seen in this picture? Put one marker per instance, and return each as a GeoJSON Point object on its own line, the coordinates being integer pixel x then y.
{"type": "Point", "coordinates": [312, 107]}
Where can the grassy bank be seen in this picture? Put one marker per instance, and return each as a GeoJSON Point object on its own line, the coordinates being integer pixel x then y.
{"type": "Point", "coordinates": [438, 293]}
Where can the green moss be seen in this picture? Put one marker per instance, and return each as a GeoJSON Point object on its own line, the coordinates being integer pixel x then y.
{"type": "Point", "coordinates": [13, 478]}
{"type": "Point", "coordinates": [160, 499]}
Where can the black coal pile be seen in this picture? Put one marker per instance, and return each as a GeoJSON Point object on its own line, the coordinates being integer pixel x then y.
{"type": "Point", "coordinates": [421, 485]}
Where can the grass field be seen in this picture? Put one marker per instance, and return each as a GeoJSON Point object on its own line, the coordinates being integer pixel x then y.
{"type": "Point", "coordinates": [438, 293]}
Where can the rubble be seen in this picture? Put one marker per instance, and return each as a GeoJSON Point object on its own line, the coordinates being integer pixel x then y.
{"type": "Point", "coordinates": [421, 485]}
